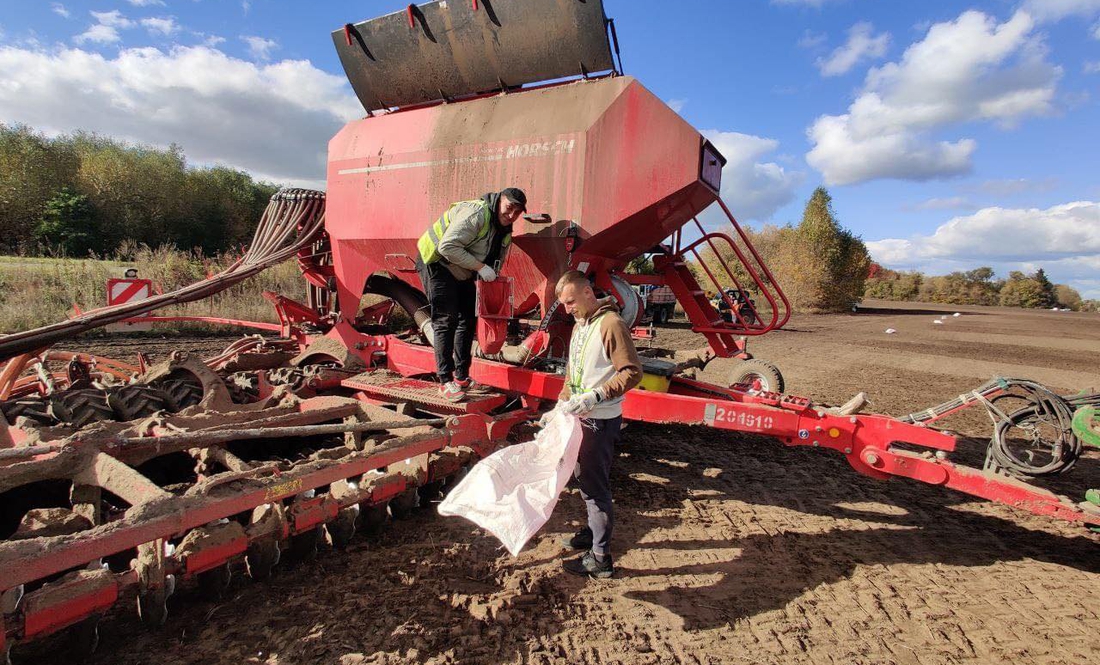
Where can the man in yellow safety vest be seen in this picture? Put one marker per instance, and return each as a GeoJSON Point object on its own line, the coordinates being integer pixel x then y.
{"type": "Point", "coordinates": [468, 241]}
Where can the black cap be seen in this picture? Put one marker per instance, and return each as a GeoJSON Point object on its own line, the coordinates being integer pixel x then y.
{"type": "Point", "coordinates": [515, 195]}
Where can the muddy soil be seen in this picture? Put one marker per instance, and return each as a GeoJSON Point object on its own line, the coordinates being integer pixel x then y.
{"type": "Point", "coordinates": [729, 549]}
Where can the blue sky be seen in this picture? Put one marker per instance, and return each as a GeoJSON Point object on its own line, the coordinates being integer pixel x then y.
{"type": "Point", "coordinates": [950, 134]}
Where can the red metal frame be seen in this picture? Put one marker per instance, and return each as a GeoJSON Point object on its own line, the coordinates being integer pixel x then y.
{"type": "Point", "coordinates": [866, 441]}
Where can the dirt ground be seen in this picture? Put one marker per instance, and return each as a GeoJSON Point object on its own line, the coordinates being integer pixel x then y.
{"type": "Point", "coordinates": [729, 549]}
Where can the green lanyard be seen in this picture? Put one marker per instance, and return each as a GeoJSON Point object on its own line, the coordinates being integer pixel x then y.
{"type": "Point", "coordinates": [576, 360]}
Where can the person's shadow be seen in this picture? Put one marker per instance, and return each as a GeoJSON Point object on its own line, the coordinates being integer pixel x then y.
{"type": "Point", "coordinates": [808, 519]}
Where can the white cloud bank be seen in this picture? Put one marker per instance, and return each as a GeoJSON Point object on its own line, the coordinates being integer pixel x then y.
{"type": "Point", "coordinates": [753, 188]}
{"type": "Point", "coordinates": [969, 69]}
{"type": "Point", "coordinates": [1063, 239]}
{"type": "Point", "coordinates": [862, 44]}
{"type": "Point", "coordinates": [273, 120]}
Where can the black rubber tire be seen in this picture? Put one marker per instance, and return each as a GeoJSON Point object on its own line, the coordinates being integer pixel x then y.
{"type": "Point", "coordinates": [136, 401]}
{"type": "Point", "coordinates": [36, 409]}
{"type": "Point", "coordinates": [179, 393]}
{"type": "Point", "coordinates": [78, 408]}
{"type": "Point", "coordinates": [748, 371]}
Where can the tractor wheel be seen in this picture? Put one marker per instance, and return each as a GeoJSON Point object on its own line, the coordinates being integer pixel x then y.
{"type": "Point", "coordinates": [760, 374]}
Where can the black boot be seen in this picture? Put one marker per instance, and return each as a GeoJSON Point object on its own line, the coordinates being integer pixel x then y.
{"type": "Point", "coordinates": [588, 565]}
{"type": "Point", "coordinates": [581, 540]}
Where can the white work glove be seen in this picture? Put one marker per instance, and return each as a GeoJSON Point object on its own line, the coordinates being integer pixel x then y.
{"type": "Point", "coordinates": [581, 404]}
{"type": "Point", "coordinates": [486, 273]}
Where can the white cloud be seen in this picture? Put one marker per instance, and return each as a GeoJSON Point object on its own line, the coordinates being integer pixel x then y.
{"type": "Point", "coordinates": [259, 47]}
{"type": "Point", "coordinates": [1005, 187]}
{"type": "Point", "coordinates": [273, 120]}
{"type": "Point", "coordinates": [60, 10]}
{"type": "Point", "coordinates": [1053, 10]}
{"type": "Point", "coordinates": [969, 69]}
{"type": "Point", "coordinates": [1096, 31]}
{"type": "Point", "coordinates": [105, 29]}
{"type": "Point", "coordinates": [1007, 234]}
{"type": "Point", "coordinates": [862, 44]}
{"type": "Point", "coordinates": [811, 40]}
{"type": "Point", "coordinates": [98, 33]}
{"type": "Point", "coordinates": [947, 203]}
{"type": "Point", "coordinates": [1092, 67]}
{"type": "Point", "coordinates": [146, 3]}
{"type": "Point", "coordinates": [754, 189]}
{"type": "Point", "coordinates": [1063, 239]}
{"type": "Point", "coordinates": [677, 104]}
{"type": "Point", "coordinates": [113, 19]}
{"type": "Point", "coordinates": [162, 25]}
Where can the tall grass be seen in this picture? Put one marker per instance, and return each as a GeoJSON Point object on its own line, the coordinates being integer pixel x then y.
{"type": "Point", "coordinates": [39, 291]}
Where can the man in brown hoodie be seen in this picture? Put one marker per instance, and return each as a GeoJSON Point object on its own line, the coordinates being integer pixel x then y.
{"type": "Point", "coordinates": [603, 365]}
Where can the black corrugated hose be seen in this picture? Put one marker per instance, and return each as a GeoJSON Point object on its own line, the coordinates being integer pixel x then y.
{"type": "Point", "coordinates": [1044, 407]}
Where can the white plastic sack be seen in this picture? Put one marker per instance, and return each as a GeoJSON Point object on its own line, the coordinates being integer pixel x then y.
{"type": "Point", "coordinates": [512, 492]}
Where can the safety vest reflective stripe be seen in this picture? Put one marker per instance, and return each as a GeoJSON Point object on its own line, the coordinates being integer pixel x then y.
{"type": "Point", "coordinates": [428, 244]}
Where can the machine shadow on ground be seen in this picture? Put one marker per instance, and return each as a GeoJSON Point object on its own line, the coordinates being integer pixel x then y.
{"type": "Point", "coordinates": [768, 570]}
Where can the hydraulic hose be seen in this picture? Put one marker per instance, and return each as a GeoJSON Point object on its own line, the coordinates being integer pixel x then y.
{"type": "Point", "coordinates": [291, 220]}
{"type": "Point", "coordinates": [1044, 407]}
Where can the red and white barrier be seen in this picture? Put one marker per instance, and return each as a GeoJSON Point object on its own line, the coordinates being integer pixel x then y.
{"type": "Point", "coordinates": [126, 290]}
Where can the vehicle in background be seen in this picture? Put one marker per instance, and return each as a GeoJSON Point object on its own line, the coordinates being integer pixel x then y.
{"type": "Point", "coordinates": [658, 302]}
{"type": "Point", "coordinates": [743, 304]}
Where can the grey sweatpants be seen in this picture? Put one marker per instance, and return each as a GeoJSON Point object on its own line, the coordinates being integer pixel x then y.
{"type": "Point", "coordinates": [593, 474]}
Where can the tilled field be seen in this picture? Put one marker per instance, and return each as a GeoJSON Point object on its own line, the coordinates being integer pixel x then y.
{"type": "Point", "coordinates": [729, 549]}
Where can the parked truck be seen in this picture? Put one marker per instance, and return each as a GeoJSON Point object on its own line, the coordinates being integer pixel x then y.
{"type": "Point", "coordinates": [658, 302]}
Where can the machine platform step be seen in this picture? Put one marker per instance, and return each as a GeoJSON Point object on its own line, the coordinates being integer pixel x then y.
{"type": "Point", "coordinates": [389, 387]}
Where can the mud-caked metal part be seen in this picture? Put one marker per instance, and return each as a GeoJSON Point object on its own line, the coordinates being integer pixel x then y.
{"type": "Point", "coordinates": [403, 505]}
{"type": "Point", "coordinates": [266, 528]}
{"type": "Point", "coordinates": [178, 375]}
{"type": "Point", "coordinates": [154, 584]}
{"type": "Point", "coordinates": [341, 529]}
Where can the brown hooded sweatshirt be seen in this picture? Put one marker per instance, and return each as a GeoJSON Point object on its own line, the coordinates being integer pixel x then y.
{"type": "Point", "coordinates": [602, 357]}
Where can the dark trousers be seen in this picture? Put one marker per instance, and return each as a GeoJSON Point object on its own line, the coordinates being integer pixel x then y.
{"type": "Point", "coordinates": [593, 474]}
{"type": "Point", "coordinates": [454, 319]}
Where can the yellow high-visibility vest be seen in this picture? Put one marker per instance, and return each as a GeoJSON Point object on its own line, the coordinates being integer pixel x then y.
{"type": "Point", "coordinates": [428, 244]}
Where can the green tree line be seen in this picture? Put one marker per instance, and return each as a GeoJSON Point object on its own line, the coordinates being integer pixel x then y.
{"type": "Point", "coordinates": [976, 287]}
{"type": "Point", "coordinates": [81, 194]}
